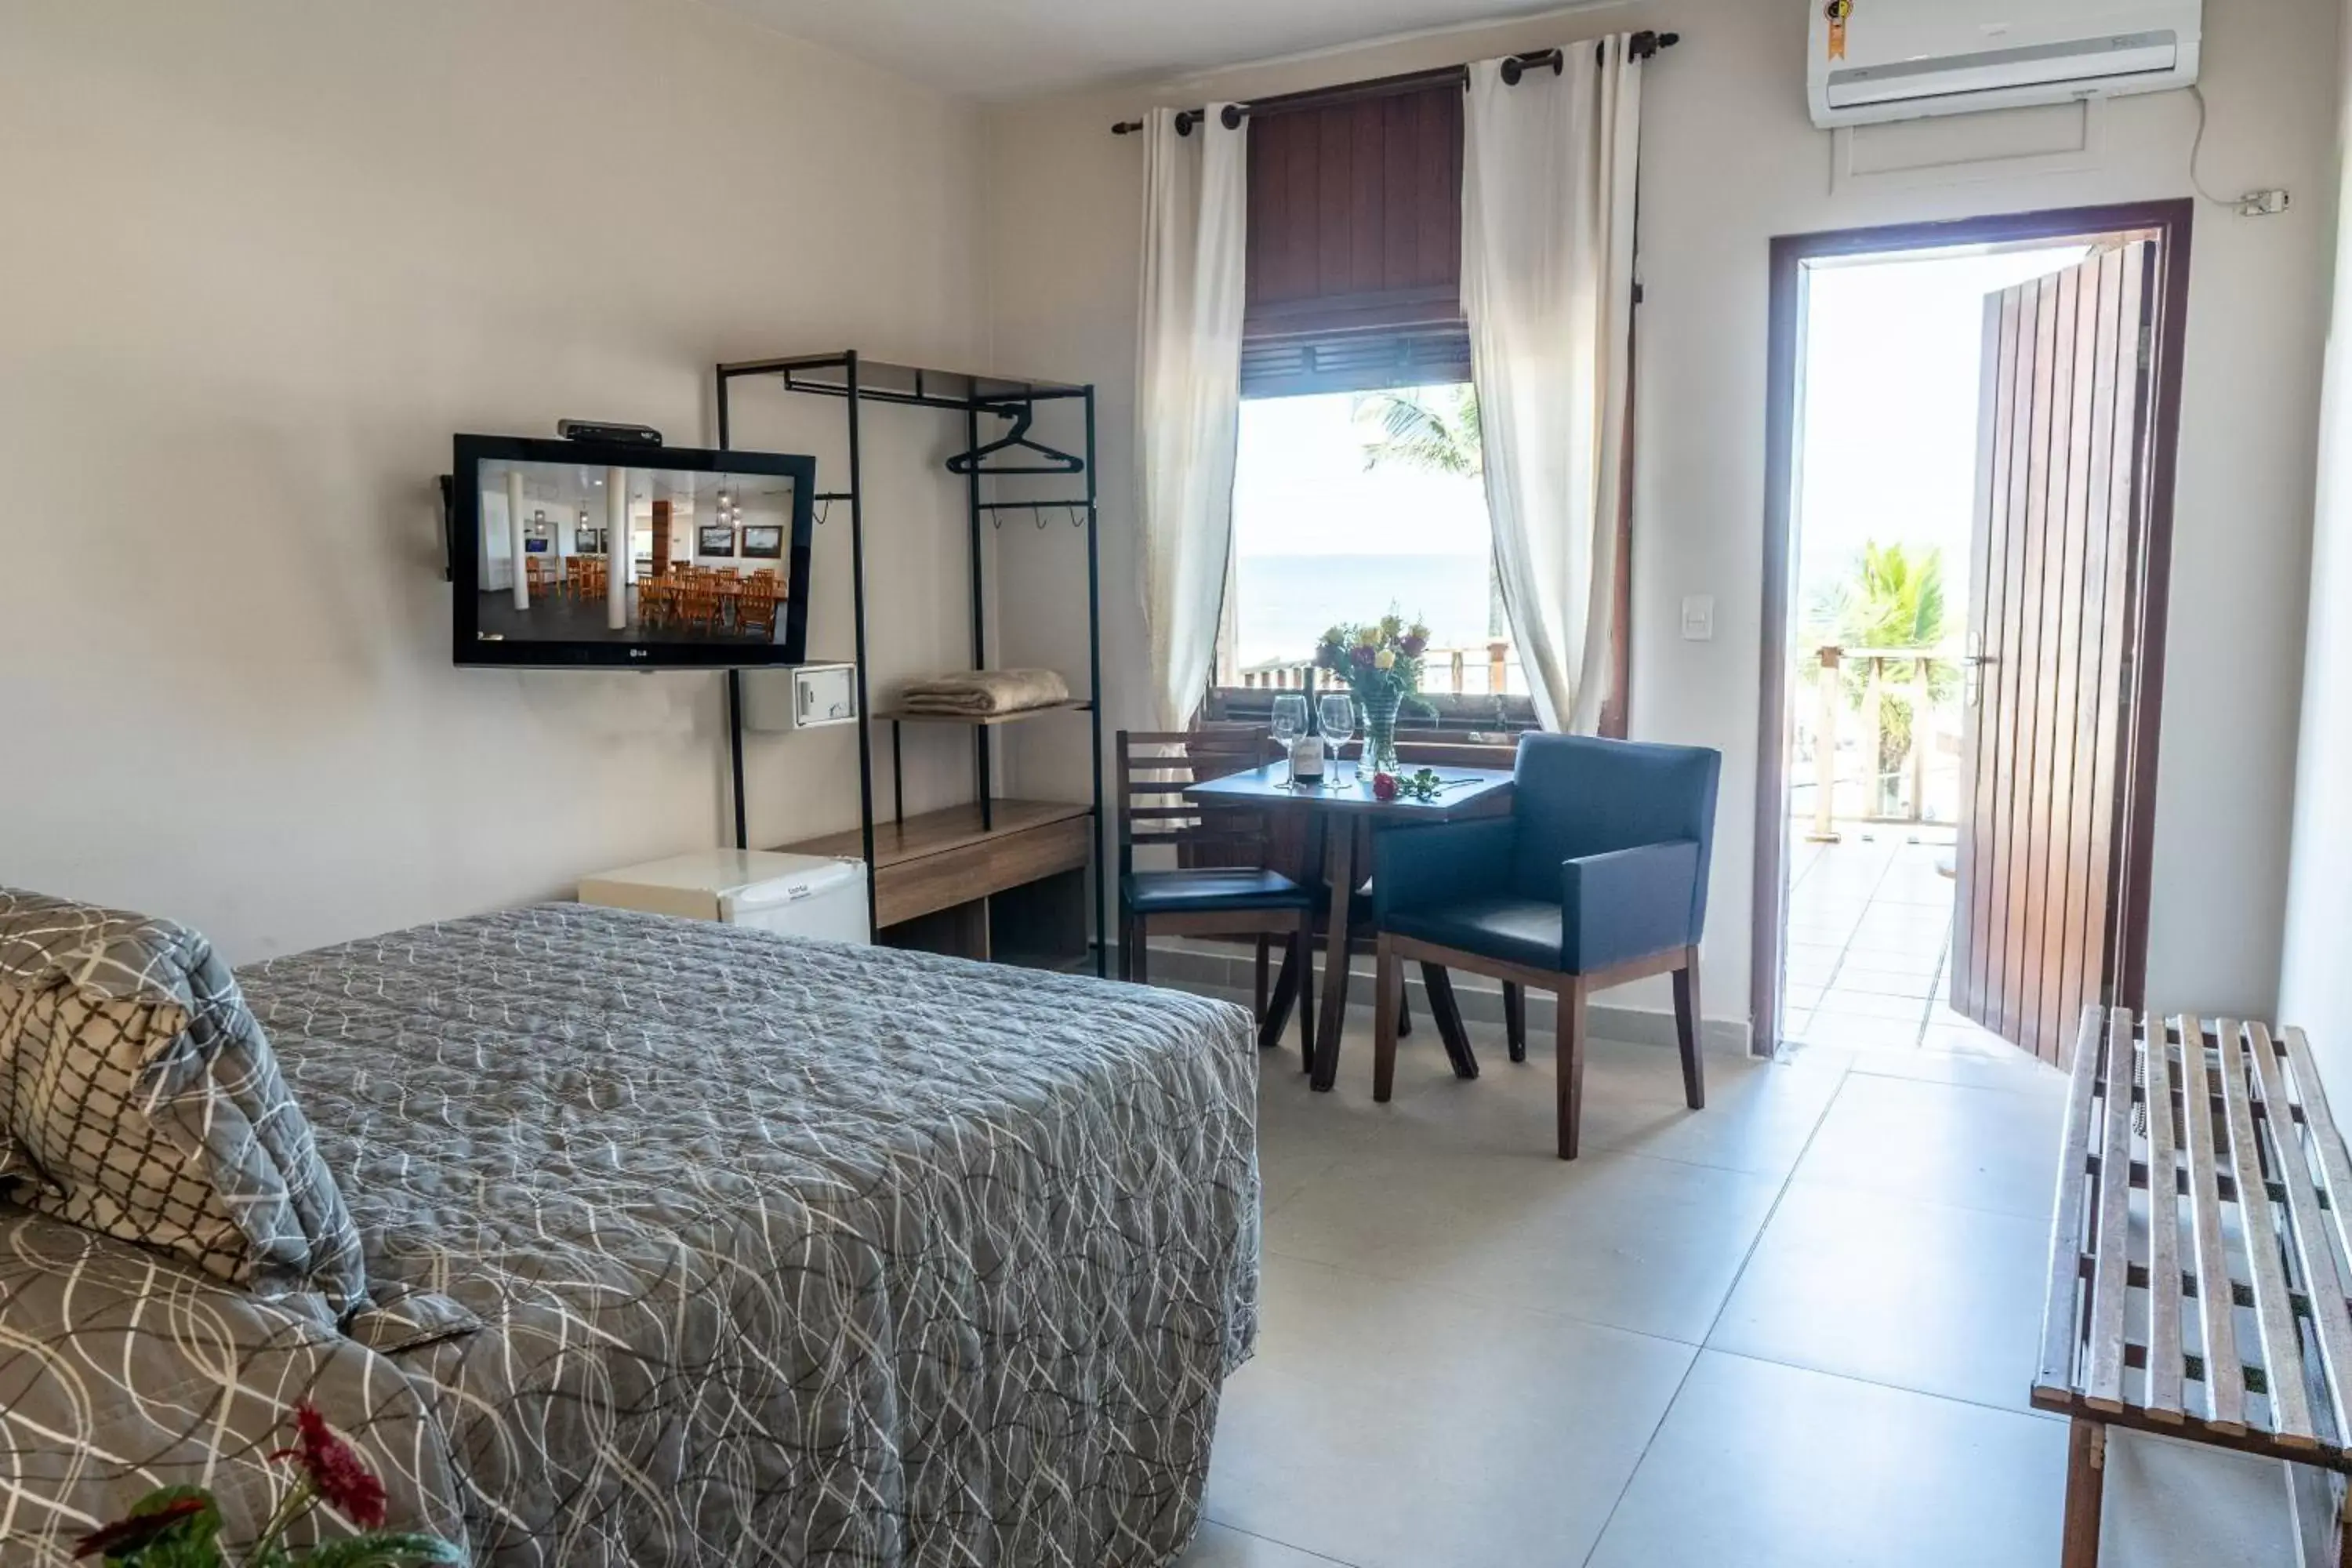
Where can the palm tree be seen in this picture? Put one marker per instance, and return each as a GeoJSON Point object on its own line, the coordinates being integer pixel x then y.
{"type": "Point", "coordinates": [1434, 428]}
{"type": "Point", "coordinates": [1892, 598]}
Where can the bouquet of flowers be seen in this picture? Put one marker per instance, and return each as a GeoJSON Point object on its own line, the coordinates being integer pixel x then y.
{"type": "Point", "coordinates": [1380, 662]}
{"type": "Point", "coordinates": [179, 1527]}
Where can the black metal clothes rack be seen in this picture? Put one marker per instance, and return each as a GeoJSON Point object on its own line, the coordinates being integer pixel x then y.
{"type": "Point", "coordinates": [857, 381]}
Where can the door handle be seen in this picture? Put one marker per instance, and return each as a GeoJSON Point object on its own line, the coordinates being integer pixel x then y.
{"type": "Point", "coordinates": [1972, 660]}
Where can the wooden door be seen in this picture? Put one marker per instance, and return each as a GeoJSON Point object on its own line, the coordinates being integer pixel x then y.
{"type": "Point", "coordinates": [2061, 478]}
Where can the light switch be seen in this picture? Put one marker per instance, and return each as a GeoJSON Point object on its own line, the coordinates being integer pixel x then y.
{"type": "Point", "coordinates": [1698, 617]}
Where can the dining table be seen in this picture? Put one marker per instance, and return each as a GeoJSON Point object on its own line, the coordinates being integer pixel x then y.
{"type": "Point", "coordinates": [1342, 809]}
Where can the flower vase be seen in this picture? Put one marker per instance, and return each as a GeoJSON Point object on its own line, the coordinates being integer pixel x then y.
{"type": "Point", "coordinates": [1379, 734]}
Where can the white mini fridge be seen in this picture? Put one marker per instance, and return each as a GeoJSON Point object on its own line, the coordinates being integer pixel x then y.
{"type": "Point", "coordinates": [799, 895]}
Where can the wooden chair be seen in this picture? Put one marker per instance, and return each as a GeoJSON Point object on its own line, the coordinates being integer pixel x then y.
{"type": "Point", "coordinates": [1221, 885]}
{"type": "Point", "coordinates": [755, 613]}
{"type": "Point", "coordinates": [1597, 878]}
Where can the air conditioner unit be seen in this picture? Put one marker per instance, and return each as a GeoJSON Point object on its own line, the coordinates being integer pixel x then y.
{"type": "Point", "coordinates": [1900, 59]}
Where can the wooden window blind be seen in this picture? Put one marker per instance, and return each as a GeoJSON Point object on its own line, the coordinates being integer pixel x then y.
{"type": "Point", "coordinates": [1355, 245]}
{"type": "Point", "coordinates": [1355, 362]}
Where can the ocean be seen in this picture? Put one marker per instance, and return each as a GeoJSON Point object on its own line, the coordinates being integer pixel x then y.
{"type": "Point", "coordinates": [1287, 600]}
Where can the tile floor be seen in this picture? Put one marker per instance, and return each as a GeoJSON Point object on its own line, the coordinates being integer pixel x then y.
{"type": "Point", "coordinates": [1869, 937]}
{"type": "Point", "coordinates": [1791, 1331]}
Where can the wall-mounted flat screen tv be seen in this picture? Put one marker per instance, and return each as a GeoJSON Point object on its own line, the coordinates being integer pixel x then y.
{"type": "Point", "coordinates": [649, 509]}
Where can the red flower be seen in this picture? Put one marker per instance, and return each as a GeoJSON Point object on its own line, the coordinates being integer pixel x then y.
{"type": "Point", "coordinates": [1384, 786]}
{"type": "Point", "coordinates": [1361, 656]}
{"type": "Point", "coordinates": [125, 1536]}
{"type": "Point", "coordinates": [334, 1468]}
{"type": "Point", "coordinates": [1413, 645]}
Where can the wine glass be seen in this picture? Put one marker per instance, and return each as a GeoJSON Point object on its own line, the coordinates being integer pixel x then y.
{"type": "Point", "coordinates": [1337, 712]}
{"type": "Point", "coordinates": [1289, 718]}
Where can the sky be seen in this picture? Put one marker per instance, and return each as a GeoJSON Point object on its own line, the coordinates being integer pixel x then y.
{"type": "Point", "coordinates": [1893, 357]}
{"type": "Point", "coordinates": [1301, 488]}
{"type": "Point", "coordinates": [1321, 540]}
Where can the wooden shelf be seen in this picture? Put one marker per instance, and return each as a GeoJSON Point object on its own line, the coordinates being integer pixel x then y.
{"type": "Point", "coordinates": [989, 720]}
{"type": "Point", "coordinates": [944, 864]}
{"type": "Point", "coordinates": [937, 832]}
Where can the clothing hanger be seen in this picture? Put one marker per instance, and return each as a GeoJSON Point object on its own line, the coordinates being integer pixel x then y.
{"type": "Point", "coordinates": [1052, 461]}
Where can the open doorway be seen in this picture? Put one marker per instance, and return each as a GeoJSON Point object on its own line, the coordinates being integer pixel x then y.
{"type": "Point", "coordinates": [1970, 445]}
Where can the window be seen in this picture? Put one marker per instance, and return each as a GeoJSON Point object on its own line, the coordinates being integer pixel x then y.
{"type": "Point", "coordinates": [1356, 490]}
{"type": "Point", "coordinates": [1352, 505]}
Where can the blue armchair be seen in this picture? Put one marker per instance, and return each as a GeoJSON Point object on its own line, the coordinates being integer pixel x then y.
{"type": "Point", "coordinates": [1597, 878]}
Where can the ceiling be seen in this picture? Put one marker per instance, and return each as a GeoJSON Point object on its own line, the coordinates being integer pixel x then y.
{"type": "Point", "coordinates": [1009, 48]}
{"type": "Point", "coordinates": [568, 485]}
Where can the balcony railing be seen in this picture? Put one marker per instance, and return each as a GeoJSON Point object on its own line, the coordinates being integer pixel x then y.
{"type": "Point", "coordinates": [1469, 689]}
{"type": "Point", "coordinates": [1482, 669]}
{"type": "Point", "coordinates": [1843, 768]}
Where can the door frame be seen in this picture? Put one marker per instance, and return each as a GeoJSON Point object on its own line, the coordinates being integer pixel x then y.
{"type": "Point", "coordinates": [2151, 551]}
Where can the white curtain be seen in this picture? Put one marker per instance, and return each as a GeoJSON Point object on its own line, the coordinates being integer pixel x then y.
{"type": "Point", "coordinates": [1547, 178]}
{"type": "Point", "coordinates": [1188, 402]}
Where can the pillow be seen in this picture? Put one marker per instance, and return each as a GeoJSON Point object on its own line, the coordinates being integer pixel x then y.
{"type": "Point", "coordinates": [141, 1097]}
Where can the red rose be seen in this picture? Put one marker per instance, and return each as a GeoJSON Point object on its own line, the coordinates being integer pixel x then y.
{"type": "Point", "coordinates": [1361, 656]}
{"type": "Point", "coordinates": [334, 1468]}
{"type": "Point", "coordinates": [1384, 786]}
{"type": "Point", "coordinates": [1412, 646]}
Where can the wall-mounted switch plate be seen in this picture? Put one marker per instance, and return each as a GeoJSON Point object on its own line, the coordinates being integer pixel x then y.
{"type": "Point", "coordinates": [1698, 617]}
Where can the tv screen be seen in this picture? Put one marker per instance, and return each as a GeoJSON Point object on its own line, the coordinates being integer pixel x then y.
{"type": "Point", "coordinates": [590, 553]}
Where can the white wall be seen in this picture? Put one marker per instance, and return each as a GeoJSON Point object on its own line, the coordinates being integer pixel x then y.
{"type": "Point", "coordinates": [264, 256]}
{"type": "Point", "coordinates": [1729, 160]}
{"type": "Point", "coordinates": [2316, 979]}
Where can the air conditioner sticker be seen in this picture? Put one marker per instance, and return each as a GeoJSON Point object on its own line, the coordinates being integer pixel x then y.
{"type": "Point", "coordinates": [1837, 11]}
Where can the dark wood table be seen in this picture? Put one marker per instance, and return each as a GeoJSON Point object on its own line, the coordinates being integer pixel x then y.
{"type": "Point", "coordinates": [1470, 792]}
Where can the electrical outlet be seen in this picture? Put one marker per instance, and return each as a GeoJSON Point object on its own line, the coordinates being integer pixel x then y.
{"type": "Point", "coordinates": [1698, 617]}
{"type": "Point", "coordinates": [2265, 203]}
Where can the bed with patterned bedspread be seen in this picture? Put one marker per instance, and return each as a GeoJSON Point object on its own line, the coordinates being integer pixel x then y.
{"type": "Point", "coordinates": [760, 1251]}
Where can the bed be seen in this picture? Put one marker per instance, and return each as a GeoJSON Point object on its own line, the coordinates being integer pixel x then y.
{"type": "Point", "coordinates": [687, 1245]}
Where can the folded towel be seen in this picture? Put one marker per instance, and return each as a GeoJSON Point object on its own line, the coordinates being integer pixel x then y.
{"type": "Point", "coordinates": [980, 693]}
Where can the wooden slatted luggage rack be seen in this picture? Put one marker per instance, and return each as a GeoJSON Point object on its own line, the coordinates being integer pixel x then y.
{"type": "Point", "coordinates": [2199, 1260]}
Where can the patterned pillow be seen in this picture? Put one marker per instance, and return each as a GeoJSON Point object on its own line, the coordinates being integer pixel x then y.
{"type": "Point", "coordinates": [141, 1092]}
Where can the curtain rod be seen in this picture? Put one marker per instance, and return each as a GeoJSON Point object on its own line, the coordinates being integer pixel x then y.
{"type": "Point", "coordinates": [1643, 45]}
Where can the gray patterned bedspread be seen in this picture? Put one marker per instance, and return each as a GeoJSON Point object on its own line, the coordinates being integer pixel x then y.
{"type": "Point", "coordinates": [784, 1254]}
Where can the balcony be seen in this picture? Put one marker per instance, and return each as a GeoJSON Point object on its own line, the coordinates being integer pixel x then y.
{"type": "Point", "coordinates": [1875, 798]}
